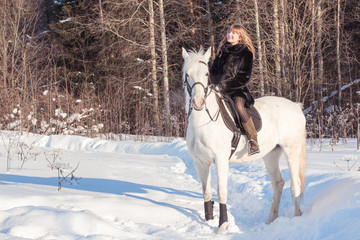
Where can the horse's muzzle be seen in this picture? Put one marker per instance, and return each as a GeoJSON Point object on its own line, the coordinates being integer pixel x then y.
{"type": "Point", "coordinates": [198, 103]}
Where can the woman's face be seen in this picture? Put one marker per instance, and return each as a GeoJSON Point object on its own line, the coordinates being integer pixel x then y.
{"type": "Point", "coordinates": [232, 37]}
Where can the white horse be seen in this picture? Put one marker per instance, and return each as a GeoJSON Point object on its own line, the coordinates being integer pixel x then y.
{"type": "Point", "coordinates": [209, 140]}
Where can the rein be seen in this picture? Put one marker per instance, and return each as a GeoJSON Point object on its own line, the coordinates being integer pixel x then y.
{"type": "Point", "coordinates": [207, 89]}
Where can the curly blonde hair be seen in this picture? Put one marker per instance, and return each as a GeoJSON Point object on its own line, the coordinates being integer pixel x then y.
{"type": "Point", "coordinates": [243, 37]}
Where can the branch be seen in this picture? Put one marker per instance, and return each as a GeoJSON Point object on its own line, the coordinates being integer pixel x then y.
{"type": "Point", "coordinates": [62, 178]}
{"type": "Point", "coordinates": [332, 94]}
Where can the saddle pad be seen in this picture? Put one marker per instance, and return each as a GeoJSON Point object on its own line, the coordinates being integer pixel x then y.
{"type": "Point", "coordinates": [230, 116]}
{"type": "Point", "coordinates": [254, 114]}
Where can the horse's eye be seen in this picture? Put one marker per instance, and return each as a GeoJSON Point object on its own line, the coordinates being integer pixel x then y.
{"type": "Point", "coordinates": [207, 74]}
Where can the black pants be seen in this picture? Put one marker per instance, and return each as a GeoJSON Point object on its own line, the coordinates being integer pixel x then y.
{"type": "Point", "coordinates": [240, 108]}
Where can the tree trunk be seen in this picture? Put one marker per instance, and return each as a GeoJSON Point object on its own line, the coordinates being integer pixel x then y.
{"type": "Point", "coordinates": [211, 34]}
{"type": "Point", "coordinates": [267, 87]}
{"type": "Point", "coordinates": [165, 61]}
{"type": "Point", "coordinates": [284, 47]}
{"type": "Point", "coordinates": [238, 8]}
{"type": "Point", "coordinates": [191, 2]}
{"type": "Point", "coordinates": [320, 63]}
{"type": "Point", "coordinates": [260, 53]}
{"type": "Point", "coordinates": [358, 137]}
{"type": "Point", "coordinates": [101, 15]}
{"type": "Point", "coordinates": [312, 53]}
{"type": "Point", "coordinates": [277, 48]}
{"type": "Point", "coordinates": [153, 64]}
{"type": "Point", "coordinates": [338, 52]}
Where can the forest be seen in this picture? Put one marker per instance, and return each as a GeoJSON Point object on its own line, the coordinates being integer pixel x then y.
{"type": "Point", "coordinates": [90, 67]}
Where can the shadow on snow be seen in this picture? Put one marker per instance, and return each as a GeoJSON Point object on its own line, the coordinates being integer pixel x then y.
{"type": "Point", "coordinates": [109, 186]}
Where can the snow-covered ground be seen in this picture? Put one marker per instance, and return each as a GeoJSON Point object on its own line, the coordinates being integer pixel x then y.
{"type": "Point", "coordinates": [132, 190]}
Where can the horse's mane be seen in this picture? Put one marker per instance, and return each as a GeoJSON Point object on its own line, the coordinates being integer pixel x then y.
{"type": "Point", "coordinates": [194, 57]}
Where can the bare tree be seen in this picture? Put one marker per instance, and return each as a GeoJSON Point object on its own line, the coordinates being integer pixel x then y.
{"type": "Point", "coordinates": [277, 57]}
{"type": "Point", "coordinates": [24, 62]}
{"type": "Point", "coordinates": [210, 28]}
{"type": "Point", "coordinates": [154, 64]}
{"type": "Point", "coordinates": [260, 53]}
{"type": "Point", "coordinates": [320, 63]}
{"type": "Point", "coordinates": [338, 63]}
{"type": "Point", "coordinates": [284, 46]}
{"type": "Point", "coordinates": [165, 61]}
{"type": "Point", "coordinates": [312, 51]}
{"type": "Point", "coordinates": [191, 2]}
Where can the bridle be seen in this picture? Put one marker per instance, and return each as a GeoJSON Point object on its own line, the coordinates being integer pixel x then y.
{"type": "Point", "coordinates": [207, 90]}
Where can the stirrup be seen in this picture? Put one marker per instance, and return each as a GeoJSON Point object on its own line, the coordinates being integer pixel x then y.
{"type": "Point", "coordinates": [249, 147]}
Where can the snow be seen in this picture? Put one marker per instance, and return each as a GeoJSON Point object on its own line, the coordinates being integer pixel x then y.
{"type": "Point", "coordinates": [66, 20]}
{"type": "Point", "coordinates": [134, 190]}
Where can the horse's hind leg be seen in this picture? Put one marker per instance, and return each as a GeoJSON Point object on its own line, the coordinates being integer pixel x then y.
{"type": "Point", "coordinates": [203, 170]}
{"type": "Point", "coordinates": [295, 155]}
{"type": "Point", "coordinates": [277, 181]}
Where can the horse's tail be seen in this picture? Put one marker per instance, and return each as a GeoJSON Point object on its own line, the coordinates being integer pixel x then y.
{"type": "Point", "coordinates": [302, 171]}
{"type": "Point", "coordinates": [302, 163]}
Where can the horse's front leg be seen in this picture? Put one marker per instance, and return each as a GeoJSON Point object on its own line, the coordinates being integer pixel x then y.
{"type": "Point", "coordinates": [222, 167]}
{"type": "Point", "coordinates": [203, 170]}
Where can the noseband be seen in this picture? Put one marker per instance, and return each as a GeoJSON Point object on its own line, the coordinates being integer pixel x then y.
{"type": "Point", "coordinates": [190, 88]}
{"type": "Point", "coordinates": [207, 90]}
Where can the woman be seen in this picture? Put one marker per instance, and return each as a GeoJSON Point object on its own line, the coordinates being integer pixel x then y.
{"type": "Point", "coordinates": [231, 71]}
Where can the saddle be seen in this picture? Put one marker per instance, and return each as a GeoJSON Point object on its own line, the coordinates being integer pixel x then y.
{"type": "Point", "coordinates": [232, 119]}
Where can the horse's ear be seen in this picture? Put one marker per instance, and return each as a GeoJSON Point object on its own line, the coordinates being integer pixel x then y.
{"type": "Point", "coordinates": [185, 54]}
{"type": "Point", "coordinates": [208, 53]}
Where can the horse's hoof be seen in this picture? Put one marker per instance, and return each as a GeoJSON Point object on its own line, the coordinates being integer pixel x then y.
{"type": "Point", "coordinates": [223, 228]}
{"type": "Point", "coordinates": [298, 213]}
{"type": "Point", "coordinates": [270, 219]}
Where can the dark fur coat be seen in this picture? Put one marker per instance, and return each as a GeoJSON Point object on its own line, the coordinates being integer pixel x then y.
{"type": "Point", "coordinates": [232, 70]}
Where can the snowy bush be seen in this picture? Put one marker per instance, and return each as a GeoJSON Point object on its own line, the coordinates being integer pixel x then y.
{"type": "Point", "coordinates": [334, 123]}
{"type": "Point", "coordinates": [50, 117]}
